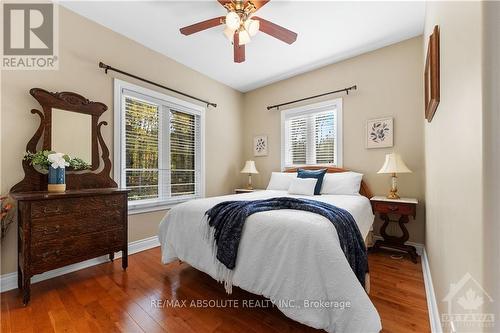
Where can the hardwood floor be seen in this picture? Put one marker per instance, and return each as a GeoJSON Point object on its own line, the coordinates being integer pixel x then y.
{"type": "Point", "coordinates": [398, 293]}
{"type": "Point", "coordinates": [104, 299]}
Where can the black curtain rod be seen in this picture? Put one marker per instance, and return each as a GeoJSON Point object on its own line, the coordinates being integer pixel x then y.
{"type": "Point", "coordinates": [277, 106]}
{"type": "Point", "coordinates": [109, 68]}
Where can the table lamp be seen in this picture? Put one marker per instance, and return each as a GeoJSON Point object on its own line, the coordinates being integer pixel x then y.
{"type": "Point", "coordinates": [394, 164]}
{"type": "Point", "coordinates": [250, 169]}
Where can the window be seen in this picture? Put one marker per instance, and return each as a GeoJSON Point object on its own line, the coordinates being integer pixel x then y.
{"type": "Point", "coordinates": [312, 135]}
{"type": "Point", "coordinates": [158, 147]}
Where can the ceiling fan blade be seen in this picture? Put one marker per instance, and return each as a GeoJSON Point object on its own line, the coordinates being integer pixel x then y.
{"type": "Point", "coordinates": [224, 2]}
{"type": "Point", "coordinates": [259, 3]}
{"type": "Point", "coordinates": [203, 25]}
{"type": "Point", "coordinates": [239, 50]}
{"type": "Point", "coordinates": [276, 31]}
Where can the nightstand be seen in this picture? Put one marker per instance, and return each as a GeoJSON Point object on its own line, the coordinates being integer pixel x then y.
{"type": "Point", "coordinates": [245, 190]}
{"type": "Point", "coordinates": [402, 209]}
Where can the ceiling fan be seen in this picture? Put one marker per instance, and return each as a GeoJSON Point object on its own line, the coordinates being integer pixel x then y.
{"type": "Point", "coordinates": [241, 25]}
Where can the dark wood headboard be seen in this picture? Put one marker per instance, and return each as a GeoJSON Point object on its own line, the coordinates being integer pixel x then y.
{"type": "Point", "coordinates": [363, 190]}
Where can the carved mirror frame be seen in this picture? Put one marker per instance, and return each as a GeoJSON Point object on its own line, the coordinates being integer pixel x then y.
{"type": "Point", "coordinates": [71, 102]}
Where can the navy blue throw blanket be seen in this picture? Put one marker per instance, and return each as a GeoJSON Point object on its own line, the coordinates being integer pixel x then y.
{"type": "Point", "coordinates": [227, 219]}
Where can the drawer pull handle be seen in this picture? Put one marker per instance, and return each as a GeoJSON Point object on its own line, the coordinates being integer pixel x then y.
{"type": "Point", "coordinates": [393, 208]}
{"type": "Point", "coordinates": [48, 253]}
{"type": "Point", "coordinates": [47, 210]}
{"type": "Point", "coordinates": [53, 231]}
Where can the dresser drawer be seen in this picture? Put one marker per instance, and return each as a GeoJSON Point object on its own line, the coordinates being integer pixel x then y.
{"type": "Point", "coordinates": [64, 251]}
{"type": "Point", "coordinates": [74, 224]}
{"type": "Point", "coordinates": [47, 208]}
{"type": "Point", "coordinates": [399, 208]}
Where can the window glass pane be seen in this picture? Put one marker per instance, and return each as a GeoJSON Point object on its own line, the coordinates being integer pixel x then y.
{"type": "Point", "coordinates": [143, 184]}
{"type": "Point", "coordinates": [298, 140]}
{"type": "Point", "coordinates": [324, 137]}
{"type": "Point", "coordinates": [183, 134]}
{"type": "Point", "coordinates": [141, 149]}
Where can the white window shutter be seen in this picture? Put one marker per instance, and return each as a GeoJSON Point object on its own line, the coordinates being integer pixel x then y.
{"type": "Point", "coordinates": [184, 143]}
{"type": "Point", "coordinates": [297, 141]}
{"type": "Point", "coordinates": [324, 137]}
{"type": "Point", "coordinates": [141, 169]}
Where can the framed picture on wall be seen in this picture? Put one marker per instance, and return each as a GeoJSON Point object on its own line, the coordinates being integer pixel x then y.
{"type": "Point", "coordinates": [379, 133]}
{"type": "Point", "coordinates": [260, 145]}
{"type": "Point", "coordinates": [431, 76]}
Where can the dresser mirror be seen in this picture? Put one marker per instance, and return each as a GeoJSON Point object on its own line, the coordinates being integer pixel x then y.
{"type": "Point", "coordinates": [69, 123]}
{"type": "Point", "coordinates": [72, 134]}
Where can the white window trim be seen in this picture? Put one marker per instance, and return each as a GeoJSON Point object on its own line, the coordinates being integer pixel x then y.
{"type": "Point", "coordinates": [313, 108]}
{"type": "Point", "coordinates": [119, 148]}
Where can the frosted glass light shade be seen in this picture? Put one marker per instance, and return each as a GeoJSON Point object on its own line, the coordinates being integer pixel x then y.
{"type": "Point", "coordinates": [249, 167]}
{"type": "Point", "coordinates": [244, 37]}
{"type": "Point", "coordinates": [233, 21]}
{"type": "Point", "coordinates": [252, 26]}
{"type": "Point", "coordinates": [229, 34]}
{"type": "Point", "coordinates": [394, 164]}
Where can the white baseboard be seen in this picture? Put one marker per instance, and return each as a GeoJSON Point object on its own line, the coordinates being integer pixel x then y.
{"type": "Point", "coordinates": [434, 317]}
{"type": "Point", "coordinates": [9, 281]}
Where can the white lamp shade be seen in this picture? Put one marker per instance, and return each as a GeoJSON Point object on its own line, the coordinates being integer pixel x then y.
{"type": "Point", "coordinates": [252, 26]}
{"type": "Point", "coordinates": [244, 37]}
{"type": "Point", "coordinates": [249, 167]}
{"type": "Point", "coordinates": [233, 21]}
{"type": "Point", "coordinates": [394, 164]}
{"type": "Point", "coordinates": [229, 34]}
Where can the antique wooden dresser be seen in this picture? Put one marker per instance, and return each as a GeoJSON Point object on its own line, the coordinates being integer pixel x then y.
{"type": "Point", "coordinates": [89, 219]}
{"type": "Point", "coordinates": [59, 229]}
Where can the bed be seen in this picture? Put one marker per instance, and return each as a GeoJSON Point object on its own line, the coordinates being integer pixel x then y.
{"type": "Point", "coordinates": [291, 257]}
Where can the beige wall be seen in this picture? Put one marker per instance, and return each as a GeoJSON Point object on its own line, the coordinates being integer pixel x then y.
{"type": "Point", "coordinates": [389, 83]}
{"type": "Point", "coordinates": [453, 149]}
{"type": "Point", "coordinates": [82, 45]}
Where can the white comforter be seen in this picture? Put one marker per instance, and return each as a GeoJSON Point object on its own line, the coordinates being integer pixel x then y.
{"type": "Point", "coordinates": [283, 255]}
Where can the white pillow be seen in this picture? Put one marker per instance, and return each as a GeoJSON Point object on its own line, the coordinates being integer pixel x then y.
{"type": "Point", "coordinates": [346, 183]}
{"type": "Point", "coordinates": [281, 181]}
{"type": "Point", "coordinates": [303, 186]}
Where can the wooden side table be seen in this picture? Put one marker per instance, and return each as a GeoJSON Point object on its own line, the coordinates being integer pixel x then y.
{"type": "Point", "coordinates": [404, 208]}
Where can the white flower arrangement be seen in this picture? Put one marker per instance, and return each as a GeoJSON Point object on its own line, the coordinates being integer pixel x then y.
{"type": "Point", "coordinates": [57, 160]}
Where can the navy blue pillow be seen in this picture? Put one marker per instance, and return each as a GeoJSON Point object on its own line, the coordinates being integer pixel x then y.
{"type": "Point", "coordinates": [318, 174]}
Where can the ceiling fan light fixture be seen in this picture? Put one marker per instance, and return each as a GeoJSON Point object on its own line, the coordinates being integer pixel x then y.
{"type": "Point", "coordinates": [240, 25]}
{"type": "Point", "coordinates": [252, 26]}
{"type": "Point", "coordinates": [229, 33]}
{"type": "Point", "coordinates": [233, 21]}
{"type": "Point", "coordinates": [244, 37]}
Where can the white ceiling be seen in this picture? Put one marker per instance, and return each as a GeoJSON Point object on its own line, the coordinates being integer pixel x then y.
{"type": "Point", "coordinates": [327, 32]}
